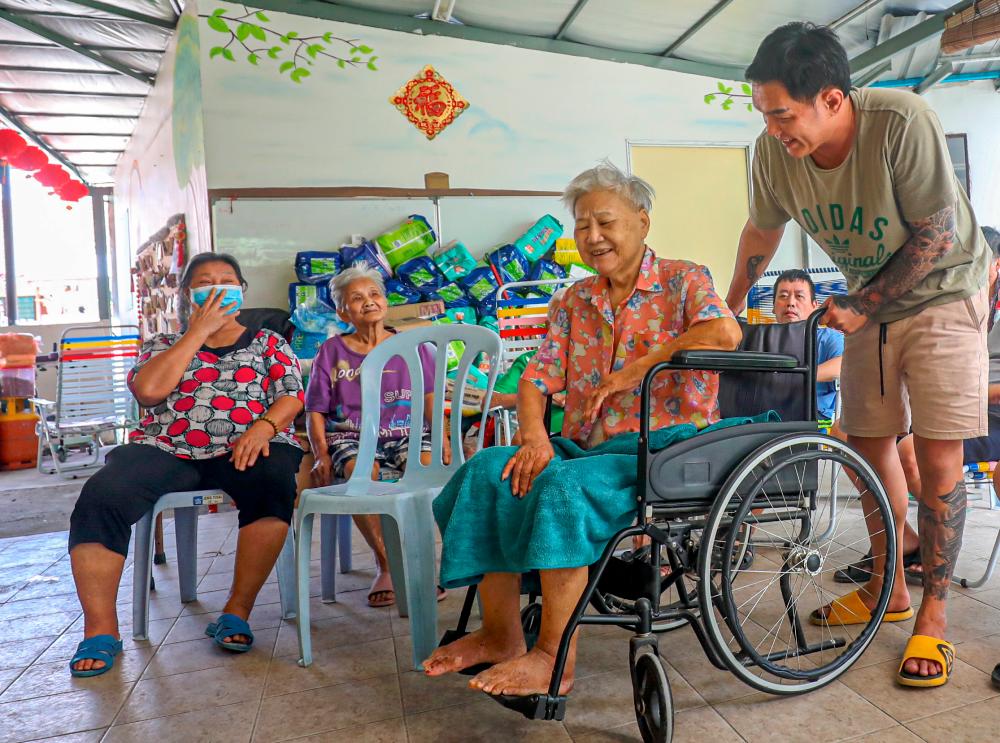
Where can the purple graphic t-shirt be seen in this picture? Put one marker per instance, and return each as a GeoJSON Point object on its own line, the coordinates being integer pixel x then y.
{"type": "Point", "coordinates": [335, 391]}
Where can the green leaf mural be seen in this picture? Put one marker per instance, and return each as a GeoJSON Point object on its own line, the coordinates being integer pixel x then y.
{"type": "Point", "coordinates": [294, 52]}
{"type": "Point", "coordinates": [727, 98]}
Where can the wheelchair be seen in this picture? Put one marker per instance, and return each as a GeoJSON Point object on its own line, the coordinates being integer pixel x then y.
{"type": "Point", "coordinates": [743, 521]}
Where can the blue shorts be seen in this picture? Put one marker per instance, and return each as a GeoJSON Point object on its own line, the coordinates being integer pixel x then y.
{"type": "Point", "coordinates": [391, 453]}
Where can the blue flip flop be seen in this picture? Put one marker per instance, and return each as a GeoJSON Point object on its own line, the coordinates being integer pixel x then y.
{"type": "Point", "coordinates": [99, 647]}
{"type": "Point", "coordinates": [229, 625]}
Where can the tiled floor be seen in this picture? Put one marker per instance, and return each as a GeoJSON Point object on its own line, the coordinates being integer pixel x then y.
{"type": "Point", "coordinates": [179, 687]}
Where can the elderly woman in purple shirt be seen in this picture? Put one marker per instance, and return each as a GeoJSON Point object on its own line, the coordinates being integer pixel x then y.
{"type": "Point", "coordinates": [333, 404]}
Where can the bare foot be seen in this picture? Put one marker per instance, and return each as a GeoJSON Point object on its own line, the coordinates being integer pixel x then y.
{"type": "Point", "coordinates": [475, 648]}
{"type": "Point", "coordinates": [529, 674]}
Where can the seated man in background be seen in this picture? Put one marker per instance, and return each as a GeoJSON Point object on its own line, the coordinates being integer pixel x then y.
{"type": "Point", "coordinates": [795, 300]}
{"type": "Point", "coordinates": [505, 395]}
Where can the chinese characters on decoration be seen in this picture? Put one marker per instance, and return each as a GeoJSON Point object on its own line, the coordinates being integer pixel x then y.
{"type": "Point", "coordinates": [16, 152]}
{"type": "Point", "coordinates": [429, 102]}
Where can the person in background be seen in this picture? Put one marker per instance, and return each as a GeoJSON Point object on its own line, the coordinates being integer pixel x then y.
{"type": "Point", "coordinates": [505, 394]}
{"type": "Point", "coordinates": [867, 174]}
{"type": "Point", "coordinates": [333, 405]}
{"type": "Point", "coordinates": [795, 300]}
{"type": "Point", "coordinates": [221, 399]}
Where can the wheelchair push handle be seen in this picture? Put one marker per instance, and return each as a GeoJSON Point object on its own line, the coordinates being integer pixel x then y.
{"type": "Point", "coordinates": [741, 361]}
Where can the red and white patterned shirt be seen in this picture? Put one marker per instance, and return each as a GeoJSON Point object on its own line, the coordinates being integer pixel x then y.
{"type": "Point", "coordinates": [219, 396]}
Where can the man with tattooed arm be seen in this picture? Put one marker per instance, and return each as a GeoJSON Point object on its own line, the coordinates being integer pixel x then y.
{"type": "Point", "coordinates": [866, 173]}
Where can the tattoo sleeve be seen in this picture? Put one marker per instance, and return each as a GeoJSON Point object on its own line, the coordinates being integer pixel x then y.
{"type": "Point", "coordinates": [941, 528]}
{"type": "Point", "coordinates": [930, 240]}
{"type": "Point", "coordinates": [753, 268]}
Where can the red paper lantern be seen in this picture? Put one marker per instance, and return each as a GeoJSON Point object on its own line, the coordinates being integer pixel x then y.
{"type": "Point", "coordinates": [72, 190]}
{"type": "Point", "coordinates": [30, 158]}
{"type": "Point", "coordinates": [52, 175]}
{"type": "Point", "coordinates": [11, 143]}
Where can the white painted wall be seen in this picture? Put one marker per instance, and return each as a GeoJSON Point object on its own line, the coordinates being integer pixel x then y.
{"type": "Point", "coordinates": [973, 109]}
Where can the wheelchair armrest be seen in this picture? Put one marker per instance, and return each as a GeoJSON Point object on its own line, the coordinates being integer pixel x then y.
{"type": "Point", "coordinates": [734, 360]}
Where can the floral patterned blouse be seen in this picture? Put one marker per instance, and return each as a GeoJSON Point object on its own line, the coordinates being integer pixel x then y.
{"type": "Point", "coordinates": [670, 296]}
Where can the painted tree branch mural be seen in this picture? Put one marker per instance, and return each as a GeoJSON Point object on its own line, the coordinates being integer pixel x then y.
{"type": "Point", "coordinates": [729, 98]}
{"type": "Point", "coordinates": [247, 34]}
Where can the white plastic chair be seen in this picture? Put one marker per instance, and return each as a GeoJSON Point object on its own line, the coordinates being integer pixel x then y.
{"type": "Point", "coordinates": [405, 506]}
{"type": "Point", "coordinates": [186, 505]}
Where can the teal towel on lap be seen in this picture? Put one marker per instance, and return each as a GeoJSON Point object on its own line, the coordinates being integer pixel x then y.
{"type": "Point", "coordinates": [575, 506]}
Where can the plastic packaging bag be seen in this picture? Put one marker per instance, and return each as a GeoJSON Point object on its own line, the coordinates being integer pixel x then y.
{"type": "Point", "coordinates": [455, 261]}
{"type": "Point", "coordinates": [397, 293]}
{"type": "Point", "coordinates": [406, 241]}
{"type": "Point", "coordinates": [509, 264]}
{"type": "Point", "coordinates": [480, 284]}
{"type": "Point", "coordinates": [302, 294]}
{"type": "Point", "coordinates": [367, 253]}
{"type": "Point", "coordinates": [451, 294]}
{"type": "Point", "coordinates": [545, 270]}
{"type": "Point", "coordinates": [317, 266]}
{"type": "Point", "coordinates": [540, 238]}
{"type": "Point", "coordinates": [422, 274]}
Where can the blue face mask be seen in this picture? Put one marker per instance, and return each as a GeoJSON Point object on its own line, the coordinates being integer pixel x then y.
{"type": "Point", "coordinates": [230, 294]}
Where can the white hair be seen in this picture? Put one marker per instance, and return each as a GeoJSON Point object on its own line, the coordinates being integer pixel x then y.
{"type": "Point", "coordinates": [606, 176]}
{"type": "Point", "coordinates": [360, 270]}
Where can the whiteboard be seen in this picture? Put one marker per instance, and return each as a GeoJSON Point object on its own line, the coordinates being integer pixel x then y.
{"type": "Point", "coordinates": [265, 234]}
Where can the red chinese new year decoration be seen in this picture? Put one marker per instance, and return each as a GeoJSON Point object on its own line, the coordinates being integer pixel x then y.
{"type": "Point", "coordinates": [52, 176]}
{"type": "Point", "coordinates": [429, 102]}
{"type": "Point", "coordinates": [11, 144]}
{"type": "Point", "coordinates": [72, 190]}
{"type": "Point", "coordinates": [30, 158]}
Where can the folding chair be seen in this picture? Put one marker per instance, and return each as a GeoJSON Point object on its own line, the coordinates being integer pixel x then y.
{"type": "Point", "coordinates": [523, 322]}
{"type": "Point", "coordinates": [981, 474]}
{"type": "Point", "coordinates": [92, 396]}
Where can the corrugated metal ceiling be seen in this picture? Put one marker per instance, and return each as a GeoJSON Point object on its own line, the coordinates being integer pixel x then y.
{"type": "Point", "coordinates": [75, 72]}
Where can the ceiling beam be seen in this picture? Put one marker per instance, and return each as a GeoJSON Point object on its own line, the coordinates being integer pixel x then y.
{"type": "Point", "coordinates": [699, 24]}
{"type": "Point", "coordinates": [853, 13]}
{"type": "Point", "coordinates": [971, 58]}
{"type": "Point", "coordinates": [868, 76]}
{"type": "Point", "coordinates": [73, 46]}
{"type": "Point", "coordinates": [13, 119]}
{"type": "Point", "coordinates": [408, 24]}
{"type": "Point", "coordinates": [940, 73]}
{"type": "Point", "coordinates": [74, 115]}
{"type": "Point", "coordinates": [85, 93]}
{"type": "Point", "coordinates": [132, 15]}
{"type": "Point", "coordinates": [92, 47]}
{"type": "Point", "coordinates": [55, 70]}
{"type": "Point", "coordinates": [580, 4]}
{"type": "Point", "coordinates": [911, 36]}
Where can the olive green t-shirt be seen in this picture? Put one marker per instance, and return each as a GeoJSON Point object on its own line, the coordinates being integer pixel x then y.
{"type": "Point", "coordinates": [898, 171]}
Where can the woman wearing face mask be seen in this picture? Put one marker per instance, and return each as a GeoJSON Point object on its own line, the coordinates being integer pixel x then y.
{"type": "Point", "coordinates": [220, 399]}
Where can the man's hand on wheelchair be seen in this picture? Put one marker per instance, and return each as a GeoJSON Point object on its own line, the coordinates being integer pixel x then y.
{"type": "Point", "coordinates": [527, 463]}
{"type": "Point", "coordinates": [843, 316]}
{"type": "Point", "coordinates": [628, 378]}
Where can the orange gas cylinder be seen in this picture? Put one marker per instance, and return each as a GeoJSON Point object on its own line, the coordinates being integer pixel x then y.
{"type": "Point", "coordinates": [18, 437]}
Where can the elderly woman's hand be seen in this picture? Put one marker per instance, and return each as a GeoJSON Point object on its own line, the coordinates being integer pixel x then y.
{"type": "Point", "coordinates": [252, 444]}
{"type": "Point", "coordinates": [628, 378]}
{"type": "Point", "coordinates": [321, 473]}
{"type": "Point", "coordinates": [527, 463]}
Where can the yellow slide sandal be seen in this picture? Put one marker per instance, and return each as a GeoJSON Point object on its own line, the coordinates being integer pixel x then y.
{"type": "Point", "coordinates": [924, 647]}
{"type": "Point", "coordinates": [850, 609]}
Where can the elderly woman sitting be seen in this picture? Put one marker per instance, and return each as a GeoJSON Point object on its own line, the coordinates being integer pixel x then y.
{"type": "Point", "coordinates": [221, 399]}
{"type": "Point", "coordinates": [333, 404]}
{"type": "Point", "coordinates": [605, 332]}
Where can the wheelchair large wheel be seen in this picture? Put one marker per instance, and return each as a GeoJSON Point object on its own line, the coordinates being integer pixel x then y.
{"type": "Point", "coordinates": [763, 619]}
{"type": "Point", "coordinates": [654, 704]}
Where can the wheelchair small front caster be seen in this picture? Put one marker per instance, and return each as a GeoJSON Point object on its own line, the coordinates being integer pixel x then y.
{"type": "Point", "coordinates": [654, 705]}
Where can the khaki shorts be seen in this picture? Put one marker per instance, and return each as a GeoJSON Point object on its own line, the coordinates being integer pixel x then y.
{"type": "Point", "coordinates": [928, 371]}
